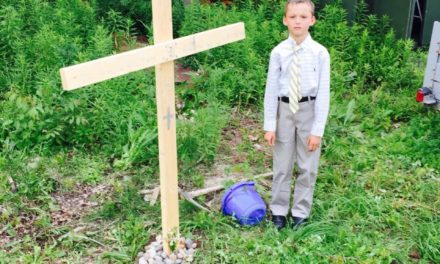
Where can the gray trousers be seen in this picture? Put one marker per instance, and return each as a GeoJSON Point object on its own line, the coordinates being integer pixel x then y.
{"type": "Point", "coordinates": [291, 147]}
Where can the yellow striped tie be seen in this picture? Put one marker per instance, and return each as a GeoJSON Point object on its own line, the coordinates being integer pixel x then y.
{"type": "Point", "coordinates": [295, 91]}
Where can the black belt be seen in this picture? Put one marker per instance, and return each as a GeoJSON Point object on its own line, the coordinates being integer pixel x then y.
{"type": "Point", "coordinates": [285, 99]}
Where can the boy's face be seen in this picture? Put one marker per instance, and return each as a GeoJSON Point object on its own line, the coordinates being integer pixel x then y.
{"type": "Point", "coordinates": [298, 19]}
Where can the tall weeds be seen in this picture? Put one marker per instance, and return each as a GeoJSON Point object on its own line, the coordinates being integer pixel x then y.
{"type": "Point", "coordinates": [39, 37]}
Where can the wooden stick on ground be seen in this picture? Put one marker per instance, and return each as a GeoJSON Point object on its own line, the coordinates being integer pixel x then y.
{"type": "Point", "coordinates": [221, 187]}
{"type": "Point", "coordinates": [12, 183]}
{"type": "Point", "coordinates": [143, 192]}
{"type": "Point", "coordinates": [191, 200]}
{"type": "Point", "coordinates": [265, 183]}
{"type": "Point", "coordinates": [190, 195]}
{"type": "Point", "coordinates": [206, 191]}
{"type": "Point", "coordinates": [154, 196]}
{"type": "Point", "coordinates": [263, 175]}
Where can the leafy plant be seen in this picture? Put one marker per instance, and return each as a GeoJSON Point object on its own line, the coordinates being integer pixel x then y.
{"type": "Point", "coordinates": [198, 136]}
{"type": "Point", "coordinates": [138, 11]}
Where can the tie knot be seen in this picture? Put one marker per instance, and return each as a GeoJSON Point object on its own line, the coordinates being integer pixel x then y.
{"type": "Point", "coordinates": [296, 48]}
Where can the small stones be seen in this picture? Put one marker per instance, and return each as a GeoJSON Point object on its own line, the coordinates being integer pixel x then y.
{"type": "Point", "coordinates": [154, 253]}
{"type": "Point", "coordinates": [181, 243]}
{"type": "Point", "coordinates": [188, 243]}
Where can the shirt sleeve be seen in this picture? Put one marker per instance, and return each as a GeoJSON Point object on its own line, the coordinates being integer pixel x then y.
{"type": "Point", "coordinates": [322, 103]}
{"type": "Point", "coordinates": [271, 94]}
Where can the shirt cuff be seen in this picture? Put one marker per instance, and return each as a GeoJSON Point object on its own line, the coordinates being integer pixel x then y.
{"type": "Point", "coordinates": [319, 132]}
{"type": "Point", "coordinates": [270, 126]}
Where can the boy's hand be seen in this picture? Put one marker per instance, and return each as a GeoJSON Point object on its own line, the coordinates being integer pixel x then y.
{"type": "Point", "coordinates": [270, 138]}
{"type": "Point", "coordinates": [313, 142]}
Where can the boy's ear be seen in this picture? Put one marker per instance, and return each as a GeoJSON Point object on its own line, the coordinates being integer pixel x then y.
{"type": "Point", "coordinates": [313, 20]}
{"type": "Point", "coordinates": [285, 20]}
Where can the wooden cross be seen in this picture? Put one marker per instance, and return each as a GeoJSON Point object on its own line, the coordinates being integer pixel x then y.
{"type": "Point", "coordinates": [162, 56]}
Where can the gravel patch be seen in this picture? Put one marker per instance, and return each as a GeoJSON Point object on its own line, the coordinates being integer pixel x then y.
{"type": "Point", "coordinates": [154, 253]}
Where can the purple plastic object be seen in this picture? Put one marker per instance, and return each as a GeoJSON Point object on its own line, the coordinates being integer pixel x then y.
{"type": "Point", "coordinates": [244, 203]}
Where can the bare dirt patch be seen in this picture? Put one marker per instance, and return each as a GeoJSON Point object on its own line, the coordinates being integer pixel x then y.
{"type": "Point", "coordinates": [243, 131]}
{"type": "Point", "coordinates": [69, 209]}
{"type": "Point", "coordinates": [74, 205]}
{"type": "Point", "coordinates": [240, 138]}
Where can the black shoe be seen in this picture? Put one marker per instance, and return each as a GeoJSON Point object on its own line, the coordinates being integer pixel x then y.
{"type": "Point", "coordinates": [279, 221]}
{"type": "Point", "coordinates": [298, 222]}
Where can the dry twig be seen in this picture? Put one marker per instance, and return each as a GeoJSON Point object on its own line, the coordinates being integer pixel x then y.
{"type": "Point", "coordinates": [154, 196]}
{"type": "Point", "coordinates": [151, 195]}
{"type": "Point", "coordinates": [221, 187]}
{"type": "Point", "coordinates": [14, 188]}
{"type": "Point", "coordinates": [191, 200]}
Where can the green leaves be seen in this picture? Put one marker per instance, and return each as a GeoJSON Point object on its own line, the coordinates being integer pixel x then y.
{"type": "Point", "coordinates": [42, 38]}
{"type": "Point", "coordinates": [199, 135]}
{"type": "Point", "coordinates": [375, 55]}
{"type": "Point", "coordinates": [140, 147]}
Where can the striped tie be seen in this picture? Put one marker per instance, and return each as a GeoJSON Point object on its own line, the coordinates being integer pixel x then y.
{"type": "Point", "coordinates": [295, 91]}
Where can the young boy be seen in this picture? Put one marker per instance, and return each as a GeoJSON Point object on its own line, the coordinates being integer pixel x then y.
{"type": "Point", "coordinates": [296, 106]}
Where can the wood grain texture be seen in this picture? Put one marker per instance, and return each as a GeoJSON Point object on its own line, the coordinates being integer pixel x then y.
{"type": "Point", "coordinates": [166, 118]}
{"type": "Point", "coordinates": [164, 50]}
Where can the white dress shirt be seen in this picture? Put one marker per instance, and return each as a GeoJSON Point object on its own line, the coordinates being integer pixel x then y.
{"type": "Point", "coordinates": [314, 75]}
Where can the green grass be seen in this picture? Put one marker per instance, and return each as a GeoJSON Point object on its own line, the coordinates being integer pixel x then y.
{"type": "Point", "coordinates": [374, 203]}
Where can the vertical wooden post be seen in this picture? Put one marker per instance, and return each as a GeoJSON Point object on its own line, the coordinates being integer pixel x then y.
{"type": "Point", "coordinates": [166, 117]}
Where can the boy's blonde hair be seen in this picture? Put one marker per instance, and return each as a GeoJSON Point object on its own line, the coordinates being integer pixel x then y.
{"type": "Point", "coordinates": [309, 2]}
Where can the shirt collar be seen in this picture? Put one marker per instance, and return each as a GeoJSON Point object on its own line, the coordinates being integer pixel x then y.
{"type": "Point", "coordinates": [306, 44]}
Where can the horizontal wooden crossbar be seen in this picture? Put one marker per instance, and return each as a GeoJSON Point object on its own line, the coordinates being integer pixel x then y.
{"type": "Point", "coordinates": [95, 71]}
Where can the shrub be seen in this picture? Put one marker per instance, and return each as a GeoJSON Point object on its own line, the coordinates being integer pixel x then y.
{"type": "Point", "coordinates": [375, 58]}
{"type": "Point", "coordinates": [46, 37]}
{"type": "Point", "coordinates": [40, 37]}
{"type": "Point", "coordinates": [138, 11]}
{"type": "Point", "coordinates": [198, 136]}
{"type": "Point", "coordinates": [234, 81]}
